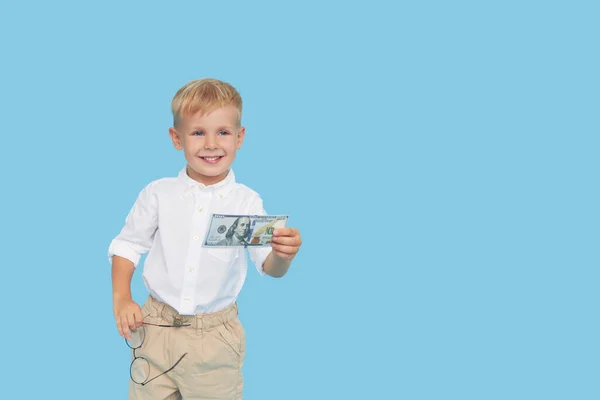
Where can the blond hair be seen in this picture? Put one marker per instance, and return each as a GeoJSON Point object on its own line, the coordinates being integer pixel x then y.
{"type": "Point", "coordinates": [203, 96]}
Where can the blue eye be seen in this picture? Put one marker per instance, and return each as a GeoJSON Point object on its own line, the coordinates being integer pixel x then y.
{"type": "Point", "coordinates": [198, 133]}
{"type": "Point", "coordinates": [223, 133]}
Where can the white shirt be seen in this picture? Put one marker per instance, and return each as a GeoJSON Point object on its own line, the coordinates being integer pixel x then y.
{"type": "Point", "coordinates": [169, 221]}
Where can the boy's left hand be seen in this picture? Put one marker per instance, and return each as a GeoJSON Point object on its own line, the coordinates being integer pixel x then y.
{"type": "Point", "coordinates": [286, 242]}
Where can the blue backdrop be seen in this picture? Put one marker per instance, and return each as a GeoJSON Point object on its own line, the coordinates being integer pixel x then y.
{"type": "Point", "coordinates": [439, 158]}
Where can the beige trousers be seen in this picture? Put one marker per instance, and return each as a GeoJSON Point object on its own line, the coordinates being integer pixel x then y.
{"type": "Point", "coordinates": [215, 344]}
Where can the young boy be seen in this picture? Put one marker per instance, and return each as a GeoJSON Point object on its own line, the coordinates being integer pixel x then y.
{"type": "Point", "coordinates": [187, 339]}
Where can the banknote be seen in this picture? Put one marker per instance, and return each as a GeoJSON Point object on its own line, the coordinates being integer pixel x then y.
{"type": "Point", "coordinates": [242, 230]}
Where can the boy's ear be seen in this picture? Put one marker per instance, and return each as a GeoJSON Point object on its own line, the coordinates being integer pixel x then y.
{"type": "Point", "coordinates": [240, 137]}
{"type": "Point", "coordinates": [175, 139]}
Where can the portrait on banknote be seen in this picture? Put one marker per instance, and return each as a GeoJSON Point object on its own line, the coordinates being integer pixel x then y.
{"type": "Point", "coordinates": [237, 234]}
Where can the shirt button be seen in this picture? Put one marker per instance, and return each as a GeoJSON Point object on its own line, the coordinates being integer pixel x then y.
{"type": "Point", "coordinates": [191, 269]}
{"type": "Point", "coordinates": [200, 209]}
{"type": "Point", "coordinates": [196, 237]}
{"type": "Point", "coordinates": [220, 196]}
{"type": "Point", "coordinates": [187, 299]}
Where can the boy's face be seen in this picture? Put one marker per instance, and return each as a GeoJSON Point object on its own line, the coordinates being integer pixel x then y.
{"type": "Point", "coordinates": [209, 143]}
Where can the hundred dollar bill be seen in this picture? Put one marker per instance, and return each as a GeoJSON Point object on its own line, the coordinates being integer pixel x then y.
{"type": "Point", "coordinates": [242, 230]}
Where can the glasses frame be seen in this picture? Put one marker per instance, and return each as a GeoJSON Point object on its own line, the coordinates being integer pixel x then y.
{"type": "Point", "coordinates": [177, 323]}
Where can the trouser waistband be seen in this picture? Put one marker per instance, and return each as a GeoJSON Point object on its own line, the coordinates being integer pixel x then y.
{"type": "Point", "coordinates": [162, 313]}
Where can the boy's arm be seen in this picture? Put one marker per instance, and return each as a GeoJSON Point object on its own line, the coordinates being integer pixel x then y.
{"type": "Point", "coordinates": [122, 271]}
{"type": "Point", "coordinates": [275, 266]}
{"type": "Point", "coordinates": [125, 251]}
{"type": "Point", "coordinates": [128, 314]}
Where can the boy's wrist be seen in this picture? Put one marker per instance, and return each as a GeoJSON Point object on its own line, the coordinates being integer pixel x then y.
{"type": "Point", "coordinates": [118, 296]}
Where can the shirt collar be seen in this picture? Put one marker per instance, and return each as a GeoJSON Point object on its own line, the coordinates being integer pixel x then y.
{"type": "Point", "coordinates": [221, 189]}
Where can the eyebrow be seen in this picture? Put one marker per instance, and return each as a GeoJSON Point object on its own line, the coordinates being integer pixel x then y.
{"type": "Point", "coordinates": [220, 128]}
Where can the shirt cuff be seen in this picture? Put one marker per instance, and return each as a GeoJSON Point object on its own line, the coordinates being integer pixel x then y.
{"type": "Point", "coordinates": [258, 256]}
{"type": "Point", "coordinates": [122, 249]}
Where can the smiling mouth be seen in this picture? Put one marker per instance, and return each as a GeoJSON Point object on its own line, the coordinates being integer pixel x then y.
{"type": "Point", "coordinates": [212, 160]}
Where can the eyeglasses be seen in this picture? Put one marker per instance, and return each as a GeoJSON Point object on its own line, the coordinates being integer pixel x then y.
{"type": "Point", "coordinates": [139, 370]}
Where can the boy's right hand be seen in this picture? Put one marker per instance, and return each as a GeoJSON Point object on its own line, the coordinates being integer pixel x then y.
{"type": "Point", "coordinates": [128, 316]}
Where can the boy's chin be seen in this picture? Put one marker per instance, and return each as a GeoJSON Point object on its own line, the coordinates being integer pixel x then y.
{"type": "Point", "coordinates": [208, 174]}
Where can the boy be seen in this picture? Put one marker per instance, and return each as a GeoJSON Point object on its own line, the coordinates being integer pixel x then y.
{"type": "Point", "coordinates": [187, 338]}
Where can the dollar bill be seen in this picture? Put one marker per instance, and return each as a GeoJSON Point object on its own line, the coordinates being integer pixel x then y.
{"type": "Point", "coordinates": [242, 230]}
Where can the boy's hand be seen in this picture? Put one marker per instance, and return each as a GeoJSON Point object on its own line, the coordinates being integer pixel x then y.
{"type": "Point", "coordinates": [128, 316]}
{"type": "Point", "coordinates": [286, 242]}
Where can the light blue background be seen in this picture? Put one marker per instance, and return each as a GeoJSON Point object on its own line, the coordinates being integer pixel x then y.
{"type": "Point", "coordinates": [440, 160]}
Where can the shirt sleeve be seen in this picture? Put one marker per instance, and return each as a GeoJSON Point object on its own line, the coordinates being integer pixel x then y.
{"type": "Point", "coordinates": [137, 235]}
{"type": "Point", "coordinates": [258, 255]}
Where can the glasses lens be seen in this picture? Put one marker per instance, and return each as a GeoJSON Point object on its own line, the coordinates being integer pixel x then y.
{"type": "Point", "coordinates": [140, 370]}
{"type": "Point", "coordinates": [137, 338]}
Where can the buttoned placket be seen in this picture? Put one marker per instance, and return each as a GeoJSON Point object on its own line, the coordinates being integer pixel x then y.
{"type": "Point", "coordinates": [200, 199]}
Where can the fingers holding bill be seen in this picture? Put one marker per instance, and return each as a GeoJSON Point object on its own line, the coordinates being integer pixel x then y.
{"type": "Point", "coordinates": [283, 251]}
{"type": "Point", "coordinates": [286, 242]}
{"type": "Point", "coordinates": [286, 232]}
{"type": "Point", "coordinates": [283, 255]}
{"type": "Point", "coordinates": [287, 236]}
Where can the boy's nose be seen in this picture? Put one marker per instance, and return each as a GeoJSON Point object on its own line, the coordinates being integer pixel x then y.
{"type": "Point", "coordinates": [210, 142]}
